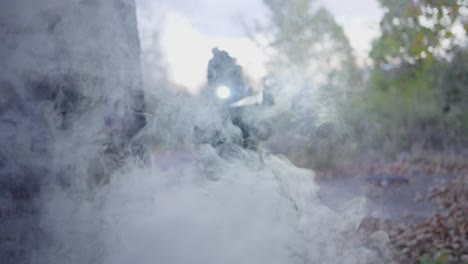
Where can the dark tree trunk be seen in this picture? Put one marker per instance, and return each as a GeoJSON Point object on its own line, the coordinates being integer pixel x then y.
{"type": "Point", "coordinates": [70, 78]}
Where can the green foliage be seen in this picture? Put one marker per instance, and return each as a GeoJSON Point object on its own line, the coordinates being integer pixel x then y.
{"type": "Point", "coordinates": [416, 96]}
{"type": "Point", "coordinates": [417, 93]}
{"type": "Point", "coordinates": [415, 51]}
{"type": "Point", "coordinates": [442, 259]}
{"type": "Point", "coordinates": [418, 86]}
{"type": "Point", "coordinates": [418, 29]}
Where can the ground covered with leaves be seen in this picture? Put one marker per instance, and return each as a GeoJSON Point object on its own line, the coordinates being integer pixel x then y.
{"type": "Point", "coordinates": [441, 236]}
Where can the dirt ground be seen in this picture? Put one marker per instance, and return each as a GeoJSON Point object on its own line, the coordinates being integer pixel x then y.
{"type": "Point", "coordinates": [422, 207]}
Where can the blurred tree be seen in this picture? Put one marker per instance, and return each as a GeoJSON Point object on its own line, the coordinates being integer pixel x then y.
{"type": "Point", "coordinates": [314, 68]}
{"type": "Point", "coordinates": [417, 44]}
{"type": "Point", "coordinates": [307, 40]}
{"type": "Point", "coordinates": [419, 29]}
{"type": "Point", "coordinates": [308, 51]}
{"type": "Point", "coordinates": [419, 73]}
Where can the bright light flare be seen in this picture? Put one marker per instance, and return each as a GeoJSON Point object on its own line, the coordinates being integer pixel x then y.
{"type": "Point", "coordinates": [223, 92]}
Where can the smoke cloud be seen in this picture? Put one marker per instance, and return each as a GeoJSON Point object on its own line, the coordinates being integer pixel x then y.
{"type": "Point", "coordinates": [116, 189]}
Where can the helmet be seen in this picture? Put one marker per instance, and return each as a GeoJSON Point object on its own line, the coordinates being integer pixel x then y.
{"type": "Point", "coordinates": [225, 78]}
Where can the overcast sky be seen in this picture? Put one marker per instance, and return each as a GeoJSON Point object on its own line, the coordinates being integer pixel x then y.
{"type": "Point", "coordinates": [192, 27]}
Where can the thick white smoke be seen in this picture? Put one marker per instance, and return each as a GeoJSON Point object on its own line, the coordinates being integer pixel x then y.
{"type": "Point", "coordinates": [175, 214]}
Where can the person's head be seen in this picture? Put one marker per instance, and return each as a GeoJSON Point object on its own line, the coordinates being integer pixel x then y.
{"type": "Point", "coordinates": [224, 73]}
